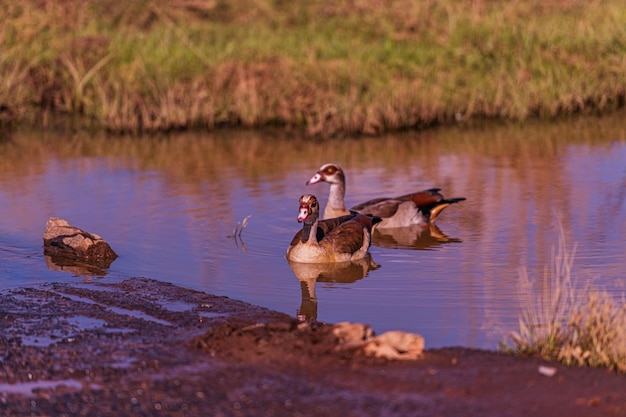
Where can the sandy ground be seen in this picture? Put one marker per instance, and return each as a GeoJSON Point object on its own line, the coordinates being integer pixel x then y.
{"type": "Point", "coordinates": [147, 348]}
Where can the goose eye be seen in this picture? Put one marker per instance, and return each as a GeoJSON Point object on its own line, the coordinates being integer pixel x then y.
{"type": "Point", "coordinates": [330, 170]}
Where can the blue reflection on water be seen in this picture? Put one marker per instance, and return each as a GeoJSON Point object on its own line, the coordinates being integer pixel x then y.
{"type": "Point", "coordinates": [460, 293]}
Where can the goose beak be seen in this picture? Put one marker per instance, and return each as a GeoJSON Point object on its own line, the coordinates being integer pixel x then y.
{"type": "Point", "coordinates": [315, 179]}
{"type": "Point", "coordinates": [303, 214]}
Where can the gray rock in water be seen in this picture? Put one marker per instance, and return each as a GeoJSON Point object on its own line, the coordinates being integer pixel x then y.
{"type": "Point", "coordinates": [62, 240]}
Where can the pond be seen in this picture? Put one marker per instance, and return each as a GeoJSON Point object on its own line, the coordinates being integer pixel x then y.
{"type": "Point", "coordinates": [168, 206]}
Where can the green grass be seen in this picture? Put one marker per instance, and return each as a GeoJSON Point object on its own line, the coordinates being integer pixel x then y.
{"type": "Point", "coordinates": [330, 69]}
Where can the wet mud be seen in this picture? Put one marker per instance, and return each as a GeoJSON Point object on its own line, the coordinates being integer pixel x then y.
{"type": "Point", "coordinates": [147, 348]}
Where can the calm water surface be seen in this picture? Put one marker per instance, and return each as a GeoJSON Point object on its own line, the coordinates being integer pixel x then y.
{"type": "Point", "coordinates": [167, 206]}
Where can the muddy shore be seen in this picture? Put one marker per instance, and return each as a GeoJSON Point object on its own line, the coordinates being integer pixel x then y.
{"type": "Point", "coordinates": [148, 348]}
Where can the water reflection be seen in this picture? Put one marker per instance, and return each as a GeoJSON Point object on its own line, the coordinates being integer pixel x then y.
{"type": "Point", "coordinates": [336, 272]}
{"type": "Point", "coordinates": [419, 237]}
{"type": "Point", "coordinates": [60, 263]}
{"type": "Point", "coordinates": [238, 242]}
{"type": "Point", "coordinates": [167, 205]}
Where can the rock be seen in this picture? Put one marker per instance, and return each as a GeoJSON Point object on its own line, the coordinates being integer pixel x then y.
{"type": "Point", "coordinates": [396, 345]}
{"type": "Point", "coordinates": [402, 341]}
{"type": "Point", "coordinates": [390, 345]}
{"type": "Point", "coordinates": [352, 335]}
{"type": "Point", "coordinates": [547, 370]}
{"type": "Point", "coordinates": [63, 242]}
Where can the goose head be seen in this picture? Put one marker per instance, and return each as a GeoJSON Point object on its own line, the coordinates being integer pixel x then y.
{"type": "Point", "coordinates": [309, 208]}
{"type": "Point", "coordinates": [330, 173]}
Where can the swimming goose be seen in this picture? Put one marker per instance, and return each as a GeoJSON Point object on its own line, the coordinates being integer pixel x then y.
{"type": "Point", "coordinates": [421, 207]}
{"type": "Point", "coordinates": [342, 239]}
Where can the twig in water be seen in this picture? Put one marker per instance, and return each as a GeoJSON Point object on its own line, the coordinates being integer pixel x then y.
{"type": "Point", "coordinates": [240, 226]}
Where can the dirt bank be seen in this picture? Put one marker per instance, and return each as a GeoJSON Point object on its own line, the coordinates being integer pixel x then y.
{"type": "Point", "coordinates": [147, 348]}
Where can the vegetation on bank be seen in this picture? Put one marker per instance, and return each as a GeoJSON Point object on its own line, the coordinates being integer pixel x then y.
{"type": "Point", "coordinates": [564, 322]}
{"type": "Point", "coordinates": [347, 67]}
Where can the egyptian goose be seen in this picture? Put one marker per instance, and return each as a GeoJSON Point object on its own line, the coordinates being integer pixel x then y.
{"type": "Point", "coordinates": [342, 239]}
{"type": "Point", "coordinates": [421, 207]}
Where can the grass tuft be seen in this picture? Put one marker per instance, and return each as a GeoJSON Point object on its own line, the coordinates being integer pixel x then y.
{"type": "Point", "coordinates": [597, 334]}
{"type": "Point", "coordinates": [562, 321]}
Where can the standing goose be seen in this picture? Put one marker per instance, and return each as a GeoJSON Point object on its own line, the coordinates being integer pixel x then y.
{"type": "Point", "coordinates": [421, 207]}
{"type": "Point", "coordinates": [342, 239]}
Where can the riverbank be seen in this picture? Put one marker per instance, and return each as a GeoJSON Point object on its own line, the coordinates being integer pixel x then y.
{"type": "Point", "coordinates": [144, 347]}
{"type": "Point", "coordinates": [348, 68]}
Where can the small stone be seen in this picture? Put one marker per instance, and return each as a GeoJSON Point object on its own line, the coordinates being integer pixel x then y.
{"type": "Point", "coordinates": [395, 345]}
{"type": "Point", "coordinates": [352, 332]}
{"type": "Point", "coordinates": [547, 370]}
{"type": "Point", "coordinates": [403, 342]}
{"type": "Point", "coordinates": [380, 350]}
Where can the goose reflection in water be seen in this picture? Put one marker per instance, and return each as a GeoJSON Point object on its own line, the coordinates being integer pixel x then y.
{"type": "Point", "coordinates": [339, 272]}
{"type": "Point", "coordinates": [418, 237]}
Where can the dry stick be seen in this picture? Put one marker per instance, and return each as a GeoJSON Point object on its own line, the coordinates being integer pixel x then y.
{"type": "Point", "coordinates": [240, 226]}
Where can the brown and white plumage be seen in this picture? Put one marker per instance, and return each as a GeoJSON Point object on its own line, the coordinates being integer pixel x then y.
{"type": "Point", "coordinates": [421, 207]}
{"type": "Point", "coordinates": [341, 239]}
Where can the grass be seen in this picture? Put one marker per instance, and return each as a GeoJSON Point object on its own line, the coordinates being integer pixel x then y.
{"type": "Point", "coordinates": [328, 69]}
{"type": "Point", "coordinates": [564, 322]}
{"type": "Point", "coordinates": [597, 334]}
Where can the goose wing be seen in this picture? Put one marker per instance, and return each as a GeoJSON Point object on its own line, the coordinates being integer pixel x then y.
{"type": "Point", "coordinates": [346, 239]}
{"type": "Point", "coordinates": [379, 207]}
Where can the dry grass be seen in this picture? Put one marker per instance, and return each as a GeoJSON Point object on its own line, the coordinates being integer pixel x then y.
{"type": "Point", "coordinates": [597, 334]}
{"type": "Point", "coordinates": [546, 305]}
{"type": "Point", "coordinates": [565, 322]}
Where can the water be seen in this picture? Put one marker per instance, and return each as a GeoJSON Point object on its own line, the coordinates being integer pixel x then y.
{"type": "Point", "coordinates": [168, 205]}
